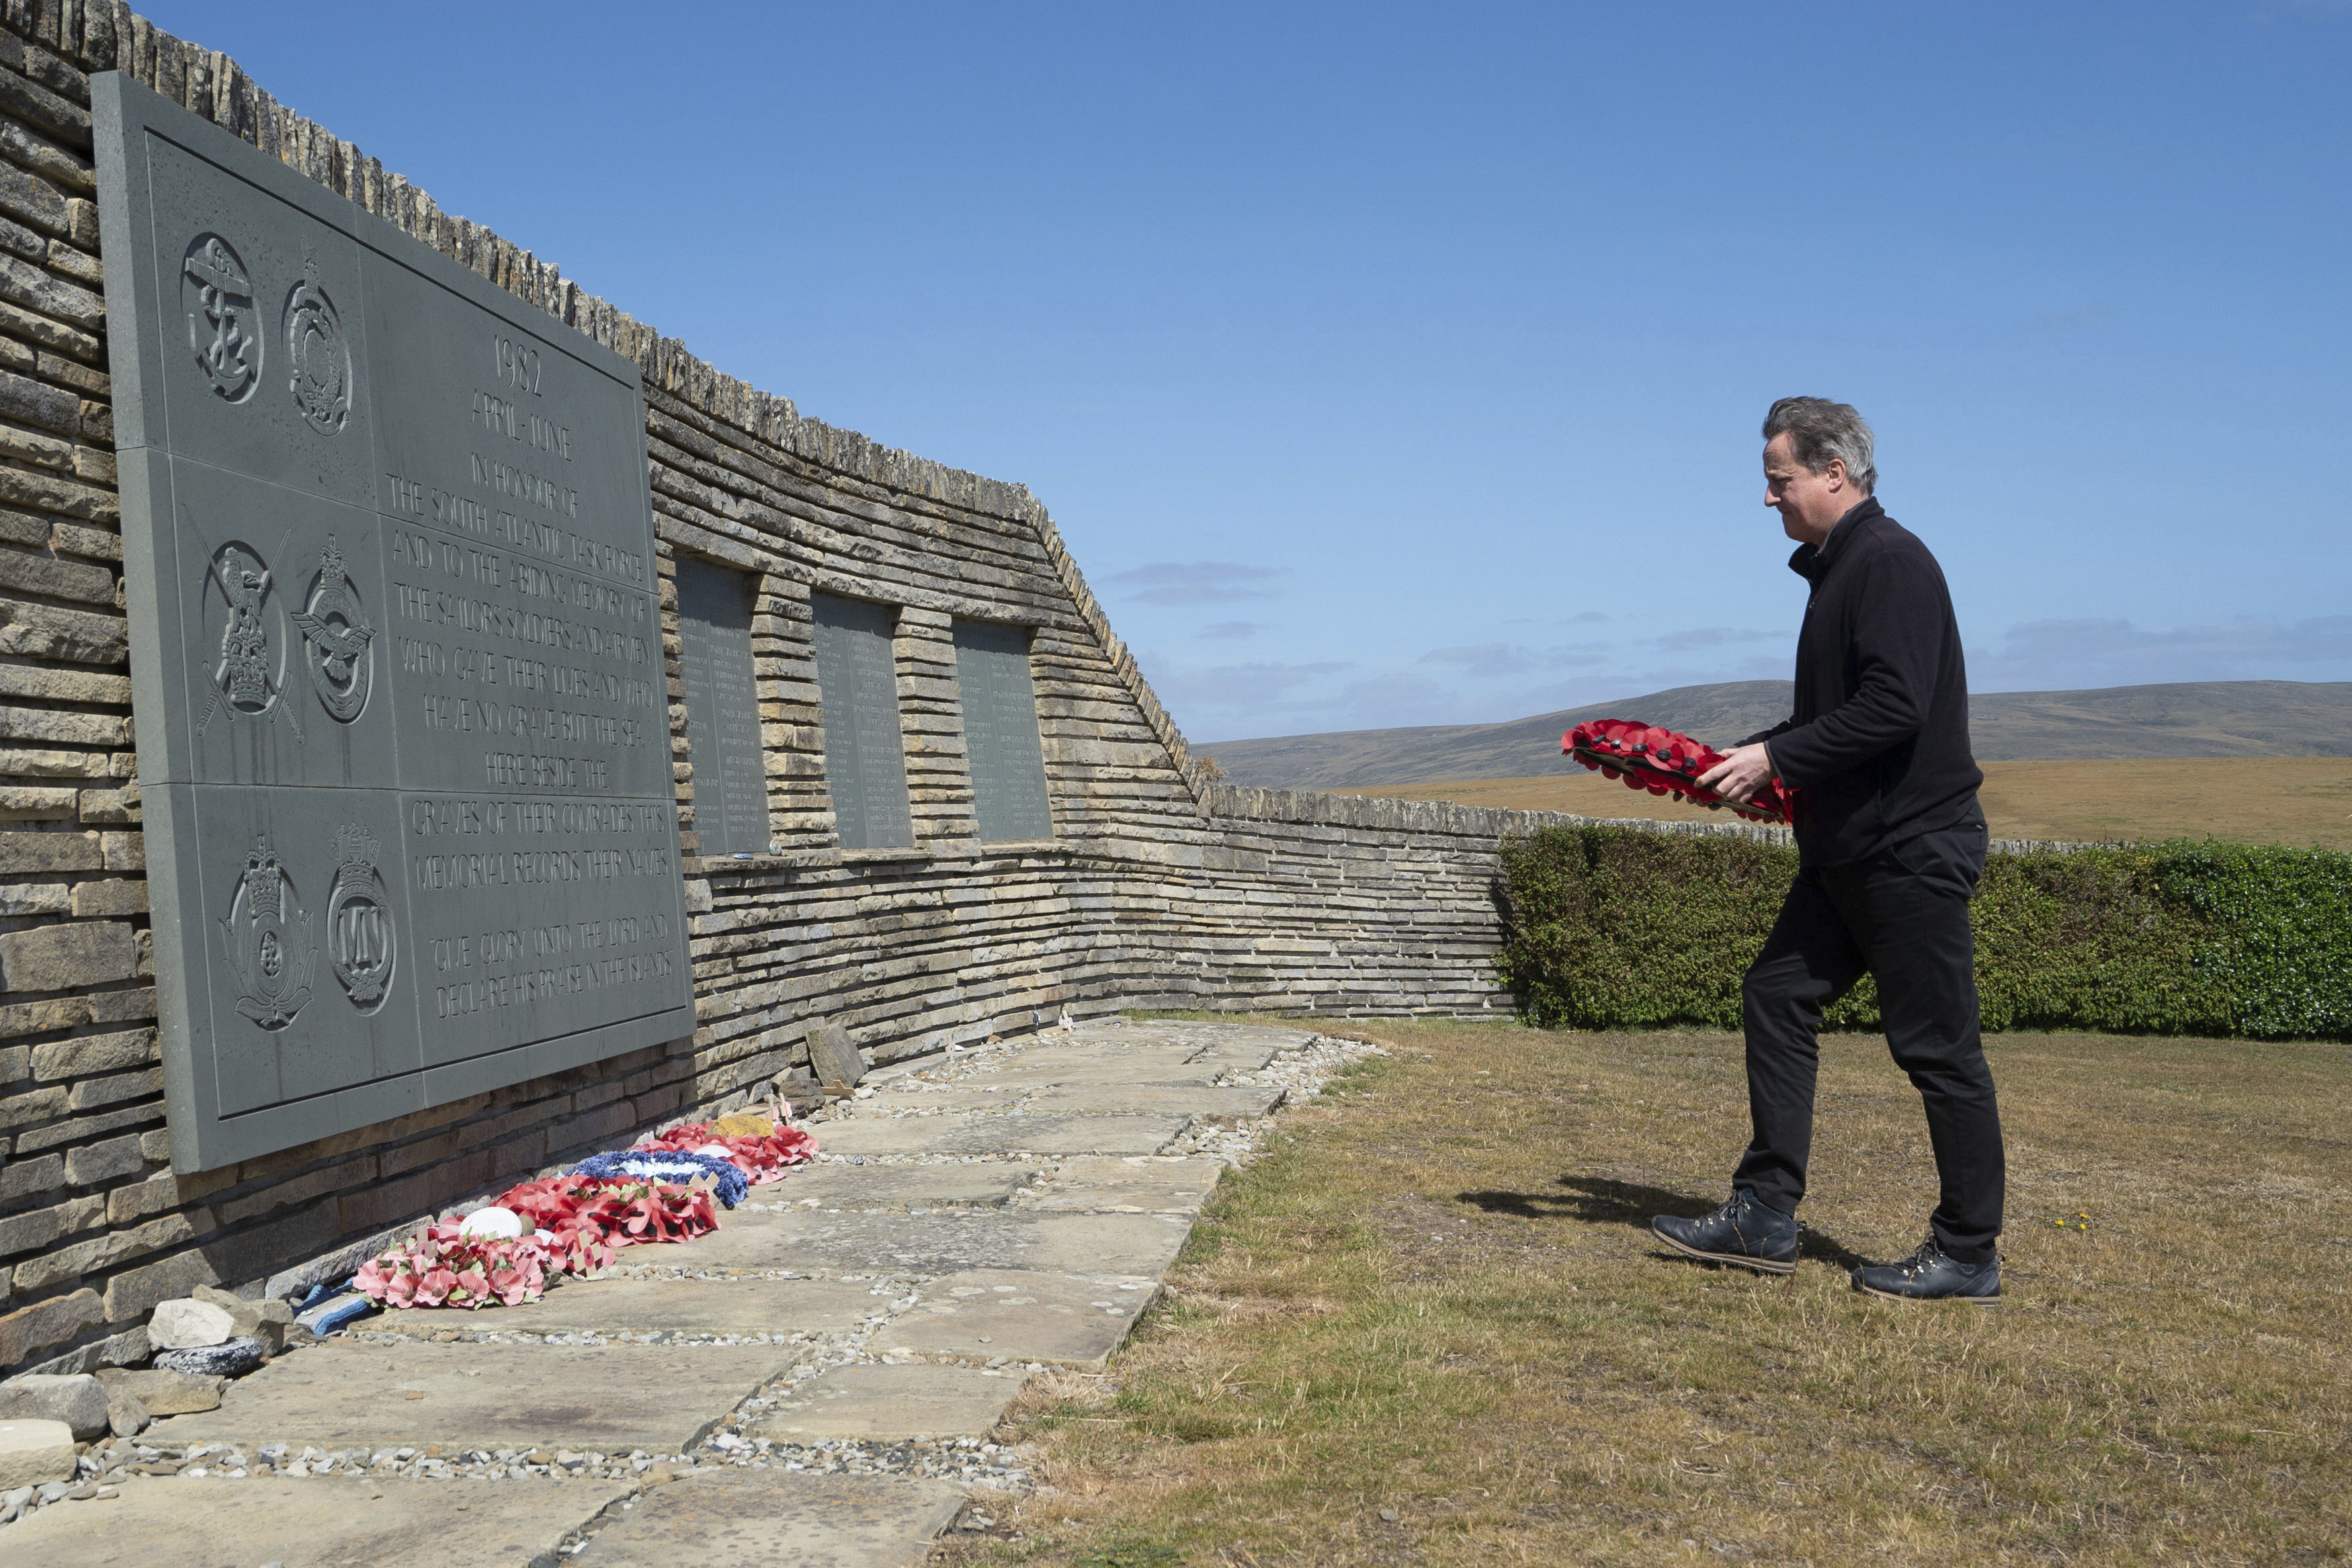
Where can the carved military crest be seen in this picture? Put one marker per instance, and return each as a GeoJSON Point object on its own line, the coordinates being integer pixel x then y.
{"type": "Point", "coordinates": [359, 941]}
{"type": "Point", "coordinates": [336, 636]}
{"type": "Point", "coordinates": [217, 293]}
{"type": "Point", "coordinates": [250, 675]}
{"type": "Point", "coordinates": [319, 356]}
{"type": "Point", "coordinates": [268, 937]}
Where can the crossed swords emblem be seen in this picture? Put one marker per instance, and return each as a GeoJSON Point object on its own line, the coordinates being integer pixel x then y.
{"type": "Point", "coordinates": [332, 624]}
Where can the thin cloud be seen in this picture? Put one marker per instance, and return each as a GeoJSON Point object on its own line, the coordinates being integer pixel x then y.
{"type": "Point", "coordinates": [1482, 659]}
{"type": "Point", "coordinates": [1197, 582]}
{"type": "Point", "coordinates": [2059, 655]}
{"type": "Point", "coordinates": [1259, 685]}
{"type": "Point", "coordinates": [1235, 631]}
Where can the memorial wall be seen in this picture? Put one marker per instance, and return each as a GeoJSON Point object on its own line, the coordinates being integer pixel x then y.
{"type": "Point", "coordinates": [538, 729]}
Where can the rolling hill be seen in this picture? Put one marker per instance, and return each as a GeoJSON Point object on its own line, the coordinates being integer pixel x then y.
{"type": "Point", "coordinates": [2201, 719]}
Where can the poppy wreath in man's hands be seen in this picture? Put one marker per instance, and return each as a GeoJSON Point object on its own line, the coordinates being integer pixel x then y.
{"type": "Point", "coordinates": [1665, 763]}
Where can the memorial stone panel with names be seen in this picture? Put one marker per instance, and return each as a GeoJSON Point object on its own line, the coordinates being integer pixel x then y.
{"type": "Point", "coordinates": [1000, 732]}
{"type": "Point", "coordinates": [397, 659]}
{"type": "Point", "coordinates": [722, 709]}
{"type": "Point", "coordinates": [864, 748]}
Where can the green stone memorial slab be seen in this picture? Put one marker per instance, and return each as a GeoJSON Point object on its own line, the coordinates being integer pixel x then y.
{"type": "Point", "coordinates": [722, 709]}
{"type": "Point", "coordinates": [1000, 729]}
{"type": "Point", "coordinates": [396, 658]}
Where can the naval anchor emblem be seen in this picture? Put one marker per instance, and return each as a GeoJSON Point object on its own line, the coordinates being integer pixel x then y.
{"type": "Point", "coordinates": [336, 636]}
{"type": "Point", "coordinates": [218, 296]}
{"type": "Point", "coordinates": [359, 920]}
{"type": "Point", "coordinates": [243, 683]}
{"type": "Point", "coordinates": [268, 941]}
{"type": "Point", "coordinates": [320, 355]}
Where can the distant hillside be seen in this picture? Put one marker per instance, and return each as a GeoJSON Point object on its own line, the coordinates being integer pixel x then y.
{"type": "Point", "coordinates": [2201, 718]}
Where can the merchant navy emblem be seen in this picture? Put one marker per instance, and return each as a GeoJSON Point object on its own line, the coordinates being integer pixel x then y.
{"type": "Point", "coordinates": [243, 683]}
{"type": "Point", "coordinates": [359, 920]}
{"type": "Point", "coordinates": [335, 635]}
{"type": "Point", "coordinates": [318, 355]}
{"type": "Point", "coordinates": [268, 940]}
{"type": "Point", "coordinates": [218, 296]}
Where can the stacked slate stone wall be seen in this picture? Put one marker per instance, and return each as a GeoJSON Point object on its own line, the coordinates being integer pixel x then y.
{"type": "Point", "coordinates": [1157, 886]}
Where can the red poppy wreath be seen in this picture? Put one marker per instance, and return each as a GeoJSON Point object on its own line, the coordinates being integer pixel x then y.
{"type": "Point", "coordinates": [1665, 763]}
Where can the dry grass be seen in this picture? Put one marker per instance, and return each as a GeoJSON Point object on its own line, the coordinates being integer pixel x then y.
{"type": "Point", "coordinates": [2305, 802]}
{"type": "Point", "coordinates": [1429, 1327]}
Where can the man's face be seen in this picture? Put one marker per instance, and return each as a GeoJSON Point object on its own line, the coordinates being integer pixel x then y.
{"type": "Point", "coordinates": [1810, 504]}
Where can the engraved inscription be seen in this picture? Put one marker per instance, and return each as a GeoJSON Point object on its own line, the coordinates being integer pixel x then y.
{"type": "Point", "coordinates": [361, 943]}
{"type": "Point", "coordinates": [268, 937]}
{"type": "Point", "coordinates": [605, 865]}
{"type": "Point", "coordinates": [251, 674]}
{"type": "Point", "coordinates": [722, 709]}
{"type": "Point", "coordinates": [338, 641]}
{"type": "Point", "coordinates": [864, 748]}
{"type": "Point", "coordinates": [538, 659]}
{"type": "Point", "coordinates": [217, 293]}
{"type": "Point", "coordinates": [319, 355]}
{"type": "Point", "coordinates": [1000, 727]}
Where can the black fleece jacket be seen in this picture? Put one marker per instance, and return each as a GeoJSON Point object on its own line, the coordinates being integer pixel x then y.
{"type": "Point", "coordinates": [1878, 748]}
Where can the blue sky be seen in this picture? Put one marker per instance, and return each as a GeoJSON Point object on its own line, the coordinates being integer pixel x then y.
{"type": "Point", "coordinates": [1393, 365]}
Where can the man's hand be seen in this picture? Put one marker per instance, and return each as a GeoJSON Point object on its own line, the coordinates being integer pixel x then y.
{"type": "Point", "coordinates": [1743, 771]}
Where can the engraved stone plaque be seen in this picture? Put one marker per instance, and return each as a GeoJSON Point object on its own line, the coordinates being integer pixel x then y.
{"type": "Point", "coordinates": [722, 709]}
{"type": "Point", "coordinates": [864, 749]}
{"type": "Point", "coordinates": [395, 656]}
{"type": "Point", "coordinates": [1000, 731]}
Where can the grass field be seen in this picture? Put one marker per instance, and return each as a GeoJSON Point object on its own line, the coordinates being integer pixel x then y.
{"type": "Point", "coordinates": [2305, 802]}
{"type": "Point", "coordinates": [1429, 1326]}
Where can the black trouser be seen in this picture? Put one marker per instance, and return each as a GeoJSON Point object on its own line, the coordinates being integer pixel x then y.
{"type": "Point", "coordinates": [1903, 916]}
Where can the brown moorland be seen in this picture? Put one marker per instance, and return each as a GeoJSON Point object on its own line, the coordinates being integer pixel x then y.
{"type": "Point", "coordinates": [1429, 1326]}
{"type": "Point", "coordinates": [2304, 801]}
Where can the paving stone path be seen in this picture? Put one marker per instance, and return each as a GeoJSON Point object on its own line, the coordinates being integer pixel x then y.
{"type": "Point", "coordinates": [814, 1383]}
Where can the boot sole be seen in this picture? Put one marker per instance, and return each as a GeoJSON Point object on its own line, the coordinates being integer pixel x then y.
{"type": "Point", "coordinates": [1738, 1261]}
{"type": "Point", "coordinates": [1927, 1300]}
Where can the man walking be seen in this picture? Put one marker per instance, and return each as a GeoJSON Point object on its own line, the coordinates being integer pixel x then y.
{"type": "Point", "coordinates": [1890, 843]}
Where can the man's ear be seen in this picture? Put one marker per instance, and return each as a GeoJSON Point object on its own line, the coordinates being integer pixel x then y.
{"type": "Point", "coordinates": [1836, 474]}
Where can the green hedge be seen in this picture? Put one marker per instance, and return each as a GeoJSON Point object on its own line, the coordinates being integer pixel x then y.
{"type": "Point", "coordinates": [1615, 927]}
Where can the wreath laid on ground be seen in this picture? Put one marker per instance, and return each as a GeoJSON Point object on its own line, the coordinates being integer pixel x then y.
{"type": "Point", "coordinates": [506, 1253]}
{"type": "Point", "coordinates": [1665, 763]}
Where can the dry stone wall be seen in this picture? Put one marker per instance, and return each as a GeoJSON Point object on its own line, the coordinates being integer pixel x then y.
{"type": "Point", "coordinates": [1157, 886]}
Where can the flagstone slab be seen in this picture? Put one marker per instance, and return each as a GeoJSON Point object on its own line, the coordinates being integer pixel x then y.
{"type": "Point", "coordinates": [832, 1186]}
{"type": "Point", "coordinates": [1001, 1134]}
{"type": "Point", "coordinates": [346, 1393]}
{"type": "Point", "coordinates": [1206, 1103]}
{"type": "Point", "coordinates": [1203, 1101]}
{"type": "Point", "coordinates": [648, 1306]}
{"type": "Point", "coordinates": [1091, 1183]}
{"type": "Point", "coordinates": [778, 1518]}
{"type": "Point", "coordinates": [1092, 1067]}
{"type": "Point", "coordinates": [944, 1243]}
{"type": "Point", "coordinates": [870, 1401]}
{"type": "Point", "coordinates": [1060, 1320]}
{"type": "Point", "coordinates": [323, 1522]}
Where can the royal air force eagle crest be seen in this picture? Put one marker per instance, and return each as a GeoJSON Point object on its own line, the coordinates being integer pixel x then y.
{"type": "Point", "coordinates": [336, 636]}
{"type": "Point", "coordinates": [360, 943]}
{"type": "Point", "coordinates": [268, 937]}
{"type": "Point", "coordinates": [217, 293]}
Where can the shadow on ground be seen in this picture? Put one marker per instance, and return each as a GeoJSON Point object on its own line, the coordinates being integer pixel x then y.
{"type": "Point", "coordinates": [1596, 1200]}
